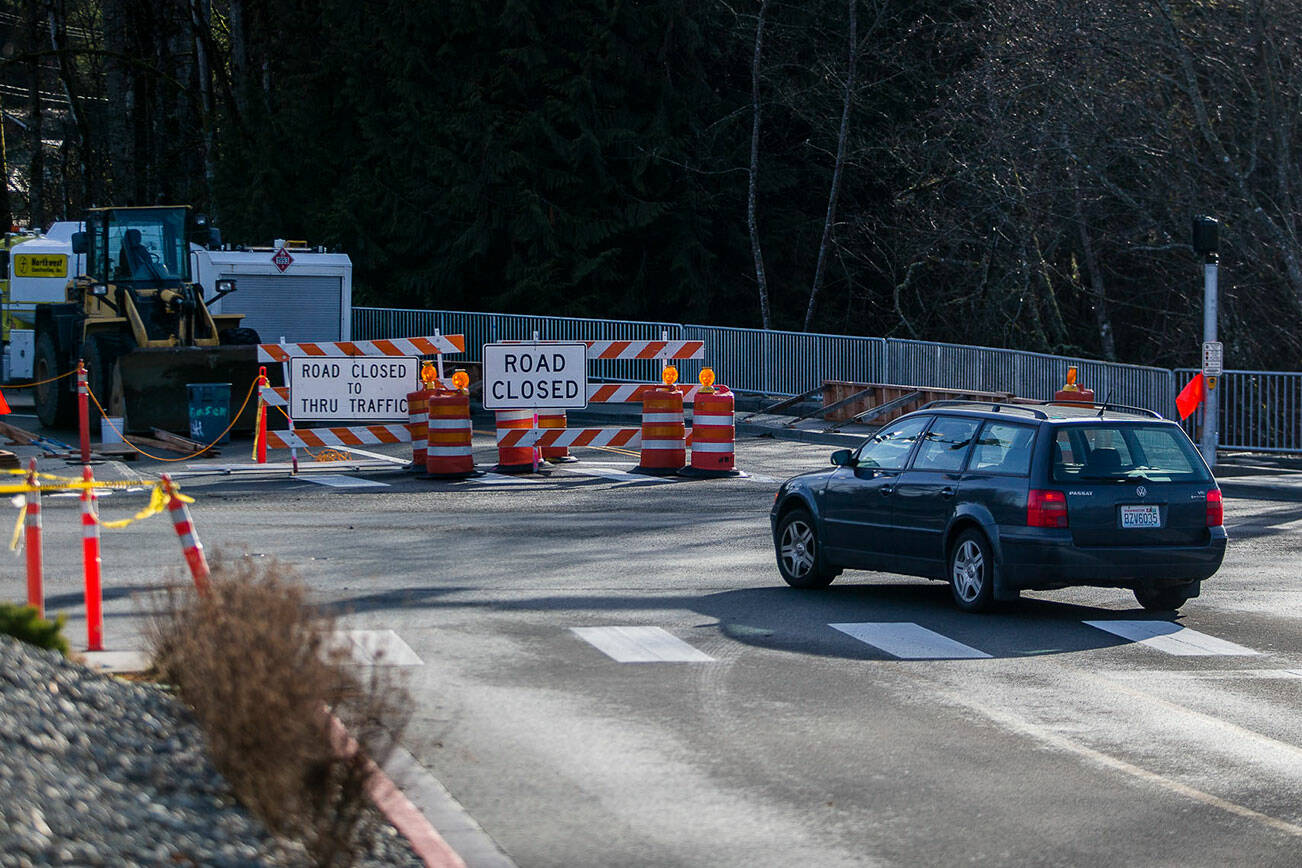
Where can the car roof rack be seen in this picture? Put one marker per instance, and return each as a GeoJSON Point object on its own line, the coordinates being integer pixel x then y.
{"type": "Point", "coordinates": [1108, 405]}
{"type": "Point", "coordinates": [995, 406]}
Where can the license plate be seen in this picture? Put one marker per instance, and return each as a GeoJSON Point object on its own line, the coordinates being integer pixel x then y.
{"type": "Point", "coordinates": [1140, 516]}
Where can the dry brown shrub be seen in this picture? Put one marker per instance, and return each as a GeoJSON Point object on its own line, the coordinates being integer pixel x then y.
{"type": "Point", "coordinates": [262, 671]}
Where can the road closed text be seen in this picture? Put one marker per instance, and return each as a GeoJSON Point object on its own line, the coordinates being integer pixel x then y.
{"type": "Point", "coordinates": [535, 375]}
{"type": "Point", "coordinates": [370, 390]}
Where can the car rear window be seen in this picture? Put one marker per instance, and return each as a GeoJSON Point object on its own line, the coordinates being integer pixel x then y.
{"type": "Point", "coordinates": [1159, 453]}
{"type": "Point", "coordinates": [1003, 448]}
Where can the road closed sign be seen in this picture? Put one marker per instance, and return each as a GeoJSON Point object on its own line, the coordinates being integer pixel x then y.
{"type": "Point", "coordinates": [542, 376]}
{"type": "Point", "coordinates": [372, 389]}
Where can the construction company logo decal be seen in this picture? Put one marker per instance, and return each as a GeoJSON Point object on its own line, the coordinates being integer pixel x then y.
{"type": "Point", "coordinates": [40, 265]}
{"type": "Point", "coordinates": [282, 260]}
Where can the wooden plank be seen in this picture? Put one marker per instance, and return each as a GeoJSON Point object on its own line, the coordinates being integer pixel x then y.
{"type": "Point", "coordinates": [18, 435]}
{"type": "Point", "coordinates": [184, 442]}
{"type": "Point", "coordinates": [784, 403]}
{"type": "Point", "coordinates": [151, 443]}
{"type": "Point", "coordinates": [880, 409]}
{"type": "Point", "coordinates": [823, 411]}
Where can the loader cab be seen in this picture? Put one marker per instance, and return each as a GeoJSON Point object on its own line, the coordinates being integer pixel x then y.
{"type": "Point", "coordinates": [142, 248]}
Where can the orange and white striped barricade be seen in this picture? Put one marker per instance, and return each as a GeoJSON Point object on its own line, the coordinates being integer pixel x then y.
{"type": "Point", "coordinates": [646, 350]}
{"type": "Point", "coordinates": [91, 564]}
{"type": "Point", "coordinates": [614, 438]}
{"type": "Point", "coordinates": [390, 434]}
{"type": "Point", "coordinates": [550, 420]}
{"type": "Point", "coordinates": [664, 436]}
{"type": "Point", "coordinates": [434, 345]}
{"type": "Point", "coordinates": [32, 529]}
{"type": "Point", "coordinates": [515, 459]}
{"type": "Point", "coordinates": [190, 545]}
{"type": "Point", "coordinates": [632, 393]}
{"type": "Point", "coordinates": [449, 454]}
{"type": "Point", "coordinates": [713, 435]}
{"type": "Point", "coordinates": [418, 423]}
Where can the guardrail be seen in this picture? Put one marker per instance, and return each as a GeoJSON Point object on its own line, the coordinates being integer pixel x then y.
{"type": "Point", "coordinates": [1260, 410]}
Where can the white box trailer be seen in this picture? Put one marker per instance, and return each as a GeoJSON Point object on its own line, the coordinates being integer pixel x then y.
{"type": "Point", "coordinates": [285, 291]}
{"type": "Point", "coordinates": [288, 290]}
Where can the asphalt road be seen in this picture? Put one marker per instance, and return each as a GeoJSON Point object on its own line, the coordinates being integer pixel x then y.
{"type": "Point", "coordinates": [779, 738]}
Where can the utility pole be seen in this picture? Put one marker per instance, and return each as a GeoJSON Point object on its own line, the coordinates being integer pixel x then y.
{"type": "Point", "coordinates": [1206, 241]}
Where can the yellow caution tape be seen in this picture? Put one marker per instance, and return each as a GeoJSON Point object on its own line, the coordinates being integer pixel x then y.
{"type": "Point", "coordinates": [158, 499]}
{"type": "Point", "coordinates": [157, 503]}
{"type": "Point", "coordinates": [18, 528]}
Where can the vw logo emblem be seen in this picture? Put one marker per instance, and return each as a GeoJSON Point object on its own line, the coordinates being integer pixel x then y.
{"type": "Point", "coordinates": [1141, 491]}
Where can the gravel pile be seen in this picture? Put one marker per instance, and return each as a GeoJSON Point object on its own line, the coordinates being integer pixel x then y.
{"type": "Point", "coordinates": [98, 771]}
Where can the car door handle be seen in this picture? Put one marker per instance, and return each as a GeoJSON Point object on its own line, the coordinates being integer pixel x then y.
{"type": "Point", "coordinates": [947, 491]}
{"type": "Point", "coordinates": [887, 489]}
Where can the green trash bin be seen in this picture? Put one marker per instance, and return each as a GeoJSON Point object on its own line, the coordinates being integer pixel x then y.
{"type": "Point", "coordinates": [210, 411]}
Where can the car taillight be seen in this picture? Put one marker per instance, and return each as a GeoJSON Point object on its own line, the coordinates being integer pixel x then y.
{"type": "Point", "coordinates": [1215, 508]}
{"type": "Point", "coordinates": [1047, 508]}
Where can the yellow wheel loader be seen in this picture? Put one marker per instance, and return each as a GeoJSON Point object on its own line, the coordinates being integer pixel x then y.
{"type": "Point", "coordinates": [141, 325]}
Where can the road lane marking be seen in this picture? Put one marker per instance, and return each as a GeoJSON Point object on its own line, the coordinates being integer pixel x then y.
{"type": "Point", "coordinates": [909, 641]}
{"type": "Point", "coordinates": [378, 648]}
{"type": "Point", "coordinates": [338, 480]}
{"type": "Point", "coordinates": [1062, 742]}
{"type": "Point", "coordinates": [1171, 638]}
{"type": "Point", "coordinates": [640, 645]}
{"type": "Point", "coordinates": [491, 478]}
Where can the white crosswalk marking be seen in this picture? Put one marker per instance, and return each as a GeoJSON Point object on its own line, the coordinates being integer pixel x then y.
{"type": "Point", "coordinates": [909, 641]}
{"type": "Point", "coordinates": [378, 648]}
{"type": "Point", "coordinates": [640, 645]}
{"type": "Point", "coordinates": [1171, 638]}
{"type": "Point", "coordinates": [337, 480]}
{"type": "Point", "coordinates": [503, 479]}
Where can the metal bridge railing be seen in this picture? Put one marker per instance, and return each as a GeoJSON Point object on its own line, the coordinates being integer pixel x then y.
{"type": "Point", "coordinates": [1260, 410]}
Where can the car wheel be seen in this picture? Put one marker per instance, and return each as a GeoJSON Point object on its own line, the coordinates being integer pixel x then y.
{"type": "Point", "coordinates": [972, 572]}
{"type": "Point", "coordinates": [1166, 599]}
{"type": "Point", "coordinates": [800, 560]}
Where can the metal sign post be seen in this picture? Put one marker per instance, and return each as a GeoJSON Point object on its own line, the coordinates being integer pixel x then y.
{"type": "Point", "coordinates": [1206, 240]}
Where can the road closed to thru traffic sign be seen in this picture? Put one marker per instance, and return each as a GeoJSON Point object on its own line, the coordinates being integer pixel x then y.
{"type": "Point", "coordinates": [345, 389]}
{"type": "Point", "coordinates": [547, 376]}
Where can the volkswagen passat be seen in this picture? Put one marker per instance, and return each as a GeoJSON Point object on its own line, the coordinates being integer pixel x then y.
{"type": "Point", "coordinates": [1000, 498]}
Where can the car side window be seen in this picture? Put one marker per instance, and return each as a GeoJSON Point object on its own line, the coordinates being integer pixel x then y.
{"type": "Point", "coordinates": [889, 448]}
{"type": "Point", "coordinates": [946, 444]}
{"type": "Point", "coordinates": [1003, 448]}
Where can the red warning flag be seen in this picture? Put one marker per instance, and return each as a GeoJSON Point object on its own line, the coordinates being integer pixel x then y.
{"type": "Point", "coordinates": [4, 405]}
{"type": "Point", "coordinates": [1190, 396]}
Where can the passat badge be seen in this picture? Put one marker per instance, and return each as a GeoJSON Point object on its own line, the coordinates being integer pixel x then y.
{"type": "Point", "coordinates": [1141, 491]}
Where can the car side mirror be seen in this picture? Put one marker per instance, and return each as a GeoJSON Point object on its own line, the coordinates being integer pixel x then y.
{"type": "Point", "coordinates": [79, 242]}
{"type": "Point", "coordinates": [843, 458]}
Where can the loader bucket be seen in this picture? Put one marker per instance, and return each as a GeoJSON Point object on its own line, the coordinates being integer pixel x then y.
{"type": "Point", "coordinates": [154, 381]}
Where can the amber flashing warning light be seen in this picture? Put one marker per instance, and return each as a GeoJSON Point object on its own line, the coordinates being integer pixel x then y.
{"type": "Point", "coordinates": [428, 374]}
{"type": "Point", "coordinates": [707, 380]}
{"type": "Point", "coordinates": [669, 375]}
{"type": "Point", "coordinates": [1071, 391]}
{"type": "Point", "coordinates": [460, 379]}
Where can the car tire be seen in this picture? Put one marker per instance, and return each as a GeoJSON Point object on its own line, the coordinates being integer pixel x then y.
{"type": "Point", "coordinates": [972, 572]}
{"type": "Point", "coordinates": [1166, 599]}
{"type": "Point", "coordinates": [800, 556]}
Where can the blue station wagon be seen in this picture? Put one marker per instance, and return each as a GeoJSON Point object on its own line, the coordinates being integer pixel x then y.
{"type": "Point", "coordinates": [1005, 497]}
